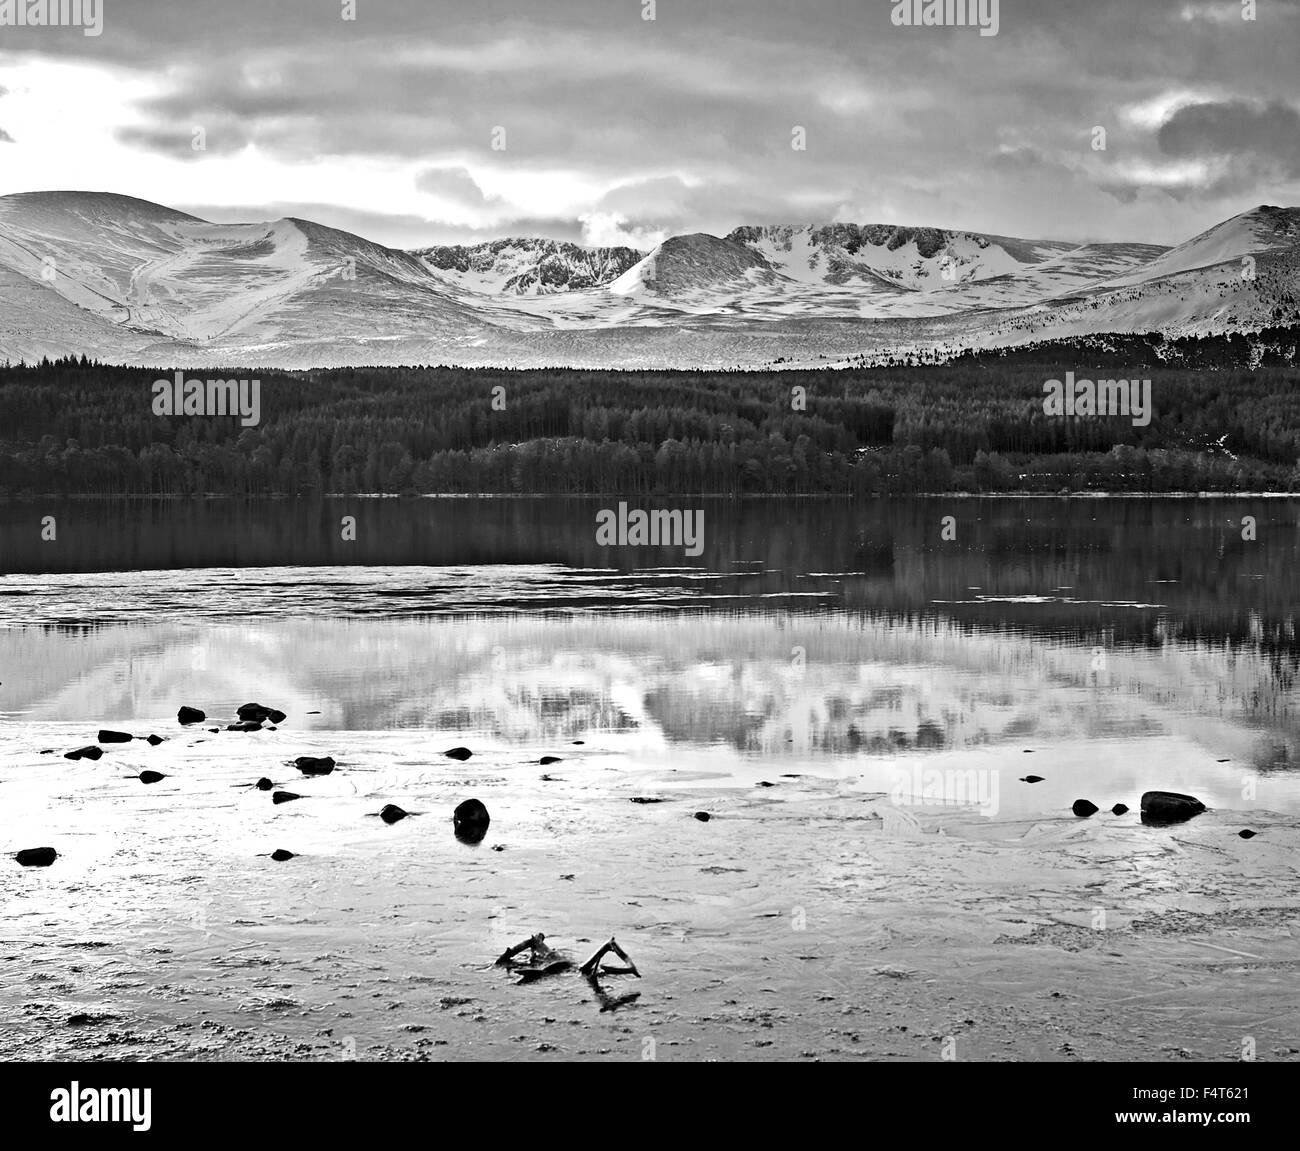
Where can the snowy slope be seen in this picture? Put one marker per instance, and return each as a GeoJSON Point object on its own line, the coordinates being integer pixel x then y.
{"type": "Point", "coordinates": [526, 266]}
{"type": "Point", "coordinates": [129, 281]}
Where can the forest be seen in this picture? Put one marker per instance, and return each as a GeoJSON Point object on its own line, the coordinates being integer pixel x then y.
{"type": "Point", "coordinates": [1227, 418]}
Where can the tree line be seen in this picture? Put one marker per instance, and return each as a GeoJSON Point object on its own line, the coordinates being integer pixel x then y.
{"type": "Point", "coordinates": [976, 424]}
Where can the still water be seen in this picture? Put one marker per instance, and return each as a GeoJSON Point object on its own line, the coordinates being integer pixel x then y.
{"type": "Point", "coordinates": [1128, 644]}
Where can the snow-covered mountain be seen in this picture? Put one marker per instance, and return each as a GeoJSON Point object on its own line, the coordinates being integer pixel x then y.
{"type": "Point", "coordinates": [527, 266]}
{"type": "Point", "coordinates": [126, 280]}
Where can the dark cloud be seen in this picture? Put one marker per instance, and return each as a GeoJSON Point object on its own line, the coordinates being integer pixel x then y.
{"type": "Point", "coordinates": [1267, 132]}
{"type": "Point", "coordinates": [690, 115]}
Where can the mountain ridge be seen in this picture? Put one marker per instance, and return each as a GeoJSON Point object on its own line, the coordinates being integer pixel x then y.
{"type": "Point", "coordinates": [126, 280]}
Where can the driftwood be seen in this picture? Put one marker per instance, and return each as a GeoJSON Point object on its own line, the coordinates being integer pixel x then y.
{"type": "Point", "coordinates": [542, 959]}
{"type": "Point", "coordinates": [590, 968]}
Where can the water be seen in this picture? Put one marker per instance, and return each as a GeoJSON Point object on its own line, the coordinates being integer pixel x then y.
{"type": "Point", "coordinates": [1127, 643]}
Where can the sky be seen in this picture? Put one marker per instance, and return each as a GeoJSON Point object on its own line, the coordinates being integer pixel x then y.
{"type": "Point", "coordinates": [453, 121]}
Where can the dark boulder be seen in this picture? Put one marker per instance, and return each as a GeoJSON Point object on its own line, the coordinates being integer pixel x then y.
{"type": "Point", "coordinates": [154, 740]}
{"type": "Point", "coordinates": [255, 711]}
{"type": "Point", "coordinates": [91, 752]}
{"type": "Point", "coordinates": [246, 725]}
{"type": "Point", "coordinates": [461, 753]}
{"type": "Point", "coordinates": [1083, 808]}
{"type": "Point", "coordinates": [37, 856]}
{"type": "Point", "coordinates": [188, 715]}
{"type": "Point", "coordinates": [1247, 834]}
{"type": "Point", "coordinates": [546, 760]}
{"type": "Point", "coordinates": [1169, 807]}
{"type": "Point", "coordinates": [284, 796]}
{"type": "Point", "coordinates": [151, 776]}
{"type": "Point", "coordinates": [703, 816]}
{"type": "Point", "coordinates": [390, 813]}
{"type": "Point", "coordinates": [263, 784]}
{"type": "Point", "coordinates": [106, 736]}
{"type": "Point", "coordinates": [1119, 809]}
{"type": "Point", "coordinates": [311, 765]}
{"type": "Point", "coordinates": [280, 855]}
{"type": "Point", "coordinates": [470, 821]}
{"type": "Point", "coordinates": [1031, 779]}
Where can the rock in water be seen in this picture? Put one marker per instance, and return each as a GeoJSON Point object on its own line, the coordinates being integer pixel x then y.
{"type": "Point", "coordinates": [311, 765]}
{"type": "Point", "coordinates": [1247, 834]}
{"type": "Point", "coordinates": [280, 855]}
{"type": "Point", "coordinates": [151, 776]}
{"type": "Point", "coordinates": [1119, 809]}
{"type": "Point", "coordinates": [1031, 779]}
{"type": "Point", "coordinates": [253, 711]}
{"type": "Point", "coordinates": [390, 813]}
{"type": "Point", "coordinates": [703, 816]}
{"type": "Point", "coordinates": [91, 752]}
{"type": "Point", "coordinates": [106, 736]}
{"type": "Point", "coordinates": [263, 784]}
{"type": "Point", "coordinates": [37, 856]}
{"type": "Point", "coordinates": [245, 725]}
{"type": "Point", "coordinates": [284, 796]}
{"type": "Point", "coordinates": [1169, 807]}
{"type": "Point", "coordinates": [461, 753]}
{"type": "Point", "coordinates": [471, 814]}
{"type": "Point", "coordinates": [188, 715]}
{"type": "Point", "coordinates": [154, 740]}
{"type": "Point", "coordinates": [1083, 808]}
{"type": "Point", "coordinates": [547, 760]}
{"type": "Point", "coordinates": [470, 821]}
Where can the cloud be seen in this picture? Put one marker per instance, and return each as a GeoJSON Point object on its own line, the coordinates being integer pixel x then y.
{"type": "Point", "coordinates": [1268, 132]}
{"type": "Point", "coordinates": [454, 184]}
{"type": "Point", "coordinates": [611, 230]}
{"type": "Point", "coordinates": [620, 129]}
{"type": "Point", "coordinates": [5, 138]}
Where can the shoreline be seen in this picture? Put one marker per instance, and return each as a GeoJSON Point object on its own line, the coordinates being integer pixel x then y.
{"type": "Point", "coordinates": [809, 921]}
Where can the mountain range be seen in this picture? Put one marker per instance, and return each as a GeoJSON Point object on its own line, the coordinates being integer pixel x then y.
{"type": "Point", "coordinates": [124, 280]}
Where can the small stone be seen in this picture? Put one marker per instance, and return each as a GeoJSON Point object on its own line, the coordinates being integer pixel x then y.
{"type": "Point", "coordinates": [703, 816]}
{"type": "Point", "coordinates": [37, 856]}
